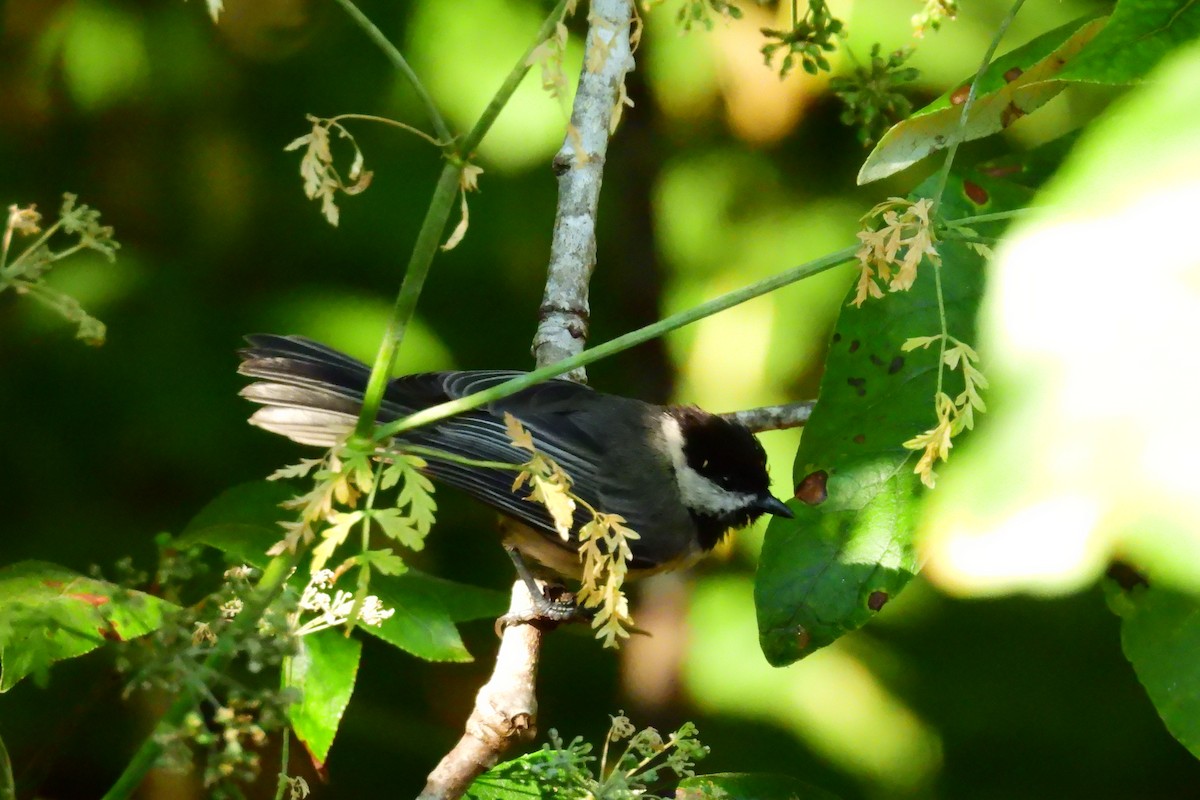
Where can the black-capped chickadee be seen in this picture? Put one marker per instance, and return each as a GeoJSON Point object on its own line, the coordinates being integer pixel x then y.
{"type": "Point", "coordinates": [681, 477]}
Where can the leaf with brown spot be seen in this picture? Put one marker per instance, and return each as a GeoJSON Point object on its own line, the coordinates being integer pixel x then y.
{"type": "Point", "coordinates": [1002, 94]}
{"type": "Point", "coordinates": [975, 193]}
{"type": "Point", "coordinates": [822, 571]}
{"type": "Point", "coordinates": [51, 613]}
{"type": "Point", "coordinates": [812, 490]}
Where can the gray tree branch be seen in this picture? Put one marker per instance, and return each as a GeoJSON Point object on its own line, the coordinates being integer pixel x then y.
{"type": "Point", "coordinates": [773, 418]}
{"type": "Point", "coordinates": [563, 317]}
{"type": "Point", "coordinates": [506, 707]}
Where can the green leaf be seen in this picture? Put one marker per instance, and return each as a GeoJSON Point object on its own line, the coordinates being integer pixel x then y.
{"type": "Point", "coordinates": [359, 464]}
{"type": "Point", "coordinates": [497, 784]}
{"type": "Point", "coordinates": [1013, 85]}
{"type": "Point", "coordinates": [324, 671]}
{"type": "Point", "coordinates": [422, 624]}
{"type": "Point", "coordinates": [299, 470]}
{"type": "Point", "coordinates": [849, 548]}
{"type": "Point", "coordinates": [748, 786]}
{"type": "Point", "coordinates": [462, 601]}
{"type": "Point", "coordinates": [1160, 634]}
{"type": "Point", "coordinates": [333, 536]}
{"type": "Point", "coordinates": [542, 773]}
{"type": "Point", "coordinates": [49, 613]}
{"type": "Point", "coordinates": [1135, 39]}
{"type": "Point", "coordinates": [1090, 449]}
{"type": "Point", "coordinates": [242, 521]}
{"type": "Point", "coordinates": [398, 527]}
{"type": "Point", "coordinates": [384, 562]}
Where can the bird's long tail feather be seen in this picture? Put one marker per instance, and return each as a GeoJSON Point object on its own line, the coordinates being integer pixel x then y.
{"type": "Point", "coordinates": [309, 393]}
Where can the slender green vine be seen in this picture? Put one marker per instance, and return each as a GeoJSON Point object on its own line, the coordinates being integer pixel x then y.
{"type": "Point", "coordinates": [428, 237]}
{"type": "Point", "coordinates": [957, 138]}
{"type": "Point", "coordinates": [624, 342]}
{"type": "Point", "coordinates": [639, 336]}
{"type": "Point", "coordinates": [944, 176]}
{"type": "Point", "coordinates": [401, 64]}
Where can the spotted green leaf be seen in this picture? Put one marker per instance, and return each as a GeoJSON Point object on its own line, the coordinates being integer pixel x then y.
{"type": "Point", "coordinates": [49, 613]}
{"type": "Point", "coordinates": [1014, 85]}
{"type": "Point", "coordinates": [849, 548]}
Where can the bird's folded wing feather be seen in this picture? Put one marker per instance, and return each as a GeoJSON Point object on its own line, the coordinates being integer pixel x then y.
{"type": "Point", "coordinates": [312, 394]}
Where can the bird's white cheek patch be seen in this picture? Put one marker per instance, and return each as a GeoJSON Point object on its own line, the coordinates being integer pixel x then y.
{"type": "Point", "coordinates": [702, 495]}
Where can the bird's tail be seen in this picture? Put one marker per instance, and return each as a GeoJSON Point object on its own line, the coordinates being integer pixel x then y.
{"type": "Point", "coordinates": [309, 393]}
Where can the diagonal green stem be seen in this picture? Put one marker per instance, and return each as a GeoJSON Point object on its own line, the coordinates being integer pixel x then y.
{"type": "Point", "coordinates": [284, 757]}
{"type": "Point", "coordinates": [511, 82]}
{"type": "Point", "coordinates": [628, 340]}
{"type": "Point", "coordinates": [425, 247]}
{"type": "Point", "coordinates": [957, 138]}
{"type": "Point", "coordinates": [995, 216]}
{"type": "Point", "coordinates": [398, 61]}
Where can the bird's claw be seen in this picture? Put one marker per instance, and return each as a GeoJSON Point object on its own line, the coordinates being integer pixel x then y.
{"type": "Point", "coordinates": [546, 611]}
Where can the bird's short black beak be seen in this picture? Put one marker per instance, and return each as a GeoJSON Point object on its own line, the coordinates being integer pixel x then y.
{"type": "Point", "coordinates": [770, 504]}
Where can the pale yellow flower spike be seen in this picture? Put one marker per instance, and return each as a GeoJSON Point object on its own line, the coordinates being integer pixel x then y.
{"type": "Point", "coordinates": [894, 251]}
{"type": "Point", "coordinates": [603, 541]}
{"type": "Point", "coordinates": [953, 416]}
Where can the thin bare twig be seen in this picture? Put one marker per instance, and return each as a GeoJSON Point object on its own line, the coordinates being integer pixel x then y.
{"type": "Point", "coordinates": [773, 418]}
{"type": "Point", "coordinates": [563, 316]}
{"type": "Point", "coordinates": [506, 707]}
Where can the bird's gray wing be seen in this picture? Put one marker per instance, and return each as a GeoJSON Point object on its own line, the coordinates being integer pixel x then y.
{"type": "Point", "coordinates": [549, 411]}
{"type": "Point", "coordinates": [312, 394]}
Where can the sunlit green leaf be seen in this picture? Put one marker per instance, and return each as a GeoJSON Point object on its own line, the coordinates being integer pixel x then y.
{"type": "Point", "coordinates": [49, 613]}
{"type": "Point", "coordinates": [422, 624]}
{"type": "Point", "coordinates": [1089, 333]}
{"type": "Point", "coordinates": [385, 562]}
{"type": "Point", "coordinates": [324, 670]}
{"type": "Point", "coordinates": [1139, 34]}
{"type": "Point", "coordinates": [529, 776]}
{"type": "Point", "coordinates": [850, 547]}
{"type": "Point", "coordinates": [1013, 85]}
{"type": "Point", "coordinates": [398, 527]}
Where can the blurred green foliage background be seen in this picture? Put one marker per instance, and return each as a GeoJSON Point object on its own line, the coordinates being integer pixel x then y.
{"type": "Point", "coordinates": [719, 175]}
